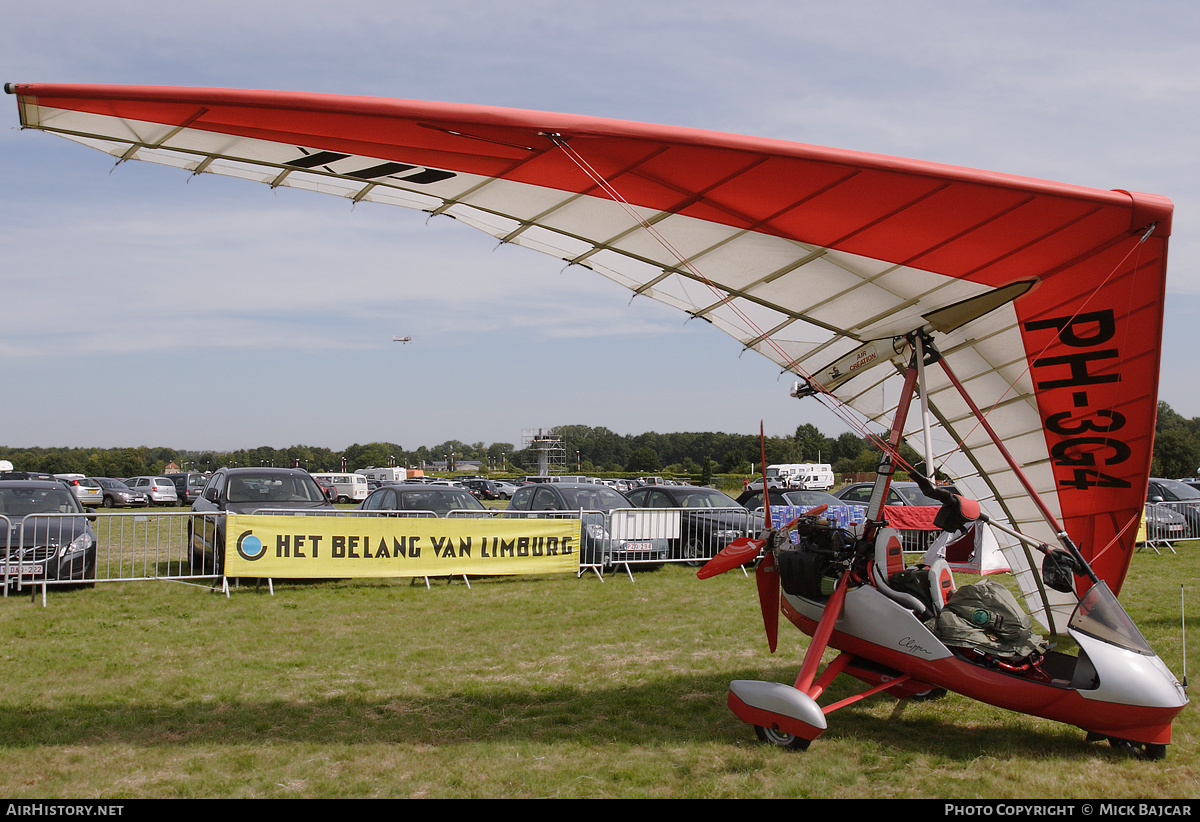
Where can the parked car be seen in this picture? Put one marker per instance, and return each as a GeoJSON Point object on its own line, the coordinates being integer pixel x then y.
{"type": "Point", "coordinates": [440, 499]}
{"type": "Point", "coordinates": [60, 547]}
{"type": "Point", "coordinates": [27, 475]}
{"type": "Point", "coordinates": [840, 511]}
{"type": "Point", "coordinates": [1163, 523]}
{"type": "Point", "coordinates": [158, 490]}
{"type": "Point", "coordinates": [590, 501]}
{"type": "Point", "coordinates": [245, 491]}
{"type": "Point", "coordinates": [87, 491]}
{"type": "Point", "coordinates": [505, 489]}
{"type": "Point", "coordinates": [331, 492]}
{"type": "Point", "coordinates": [709, 520]}
{"type": "Point", "coordinates": [117, 494]}
{"type": "Point", "coordinates": [484, 489]}
{"type": "Point", "coordinates": [753, 499]}
{"type": "Point", "coordinates": [188, 485]}
{"type": "Point", "coordinates": [348, 487]}
{"type": "Point", "coordinates": [899, 493]}
{"type": "Point", "coordinates": [1179, 497]}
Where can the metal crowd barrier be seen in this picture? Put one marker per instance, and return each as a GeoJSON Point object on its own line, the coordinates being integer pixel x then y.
{"type": "Point", "coordinates": [1167, 523]}
{"type": "Point", "coordinates": [630, 539]}
{"type": "Point", "coordinates": [81, 549]}
{"type": "Point", "coordinates": [143, 545]}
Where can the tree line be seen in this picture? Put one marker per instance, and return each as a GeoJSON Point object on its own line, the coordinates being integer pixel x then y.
{"type": "Point", "coordinates": [579, 449]}
{"type": "Point", "coordinates": [1176, 445]}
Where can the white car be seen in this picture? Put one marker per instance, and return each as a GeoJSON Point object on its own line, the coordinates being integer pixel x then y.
{"type": "Point", "coordinates": [158, 490]}
{"type": "Point", "coordinates": [505, 488]}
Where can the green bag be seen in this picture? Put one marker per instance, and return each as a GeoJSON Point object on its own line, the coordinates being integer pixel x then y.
{"type": "Point", "coordinates": [986, 615]}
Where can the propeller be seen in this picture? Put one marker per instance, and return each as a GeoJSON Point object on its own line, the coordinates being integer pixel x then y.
{"type": "Point", "coordinates": [766, 577]}
{"type": "Point", "coordinates": [733, 555]}
{"type": "Point", "coordinates": [745, 549]}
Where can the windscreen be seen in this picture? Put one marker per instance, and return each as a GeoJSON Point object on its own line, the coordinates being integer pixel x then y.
{"type": "Point", "coordinates": [705, 498]}
{"type": "Point", "coordinates": [913, 496]}
{"type": "Point", "coordinates": [1180, 490]}
{"type": "Point", "coordinates": [438, 500]}
{"type": "Point", "coordinates": [594, 498]}
{"type": "Point", "coordinates": [273, 488]}
{"type": "Point", "coordinates": [19, 502]}
{"type": "Point", "coordinates": [1099, 615]}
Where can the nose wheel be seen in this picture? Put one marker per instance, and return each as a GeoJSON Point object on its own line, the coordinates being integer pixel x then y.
{"type": "Point", "coordinates": [780, 738]}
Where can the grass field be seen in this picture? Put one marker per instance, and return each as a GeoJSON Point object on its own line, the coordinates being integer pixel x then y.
{"type": "Point", "coordinates": [530, 687]}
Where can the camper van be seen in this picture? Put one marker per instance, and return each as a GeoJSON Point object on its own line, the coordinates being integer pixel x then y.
{"type": "Point", "coordinates": [350, 487]}
{"type": "Point", "coordinates": [817, 476]}
{"type": "Point", "coordinates": [810, 476]}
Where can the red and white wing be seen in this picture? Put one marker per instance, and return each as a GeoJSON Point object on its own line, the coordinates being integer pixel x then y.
{"type": "Point", "coordinates": [799, 252]}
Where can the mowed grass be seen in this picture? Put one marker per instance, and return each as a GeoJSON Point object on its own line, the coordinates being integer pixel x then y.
{"type": "Point", "coordinates": [514, 687]}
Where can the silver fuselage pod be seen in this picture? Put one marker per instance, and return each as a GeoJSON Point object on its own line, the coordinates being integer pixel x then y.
{"type": "Point", "coordinates": [870, 616]}
{"type": "Point", "coordinates": [1128, 674]}
{"type": "Point", "coordinates": [1129, 671]}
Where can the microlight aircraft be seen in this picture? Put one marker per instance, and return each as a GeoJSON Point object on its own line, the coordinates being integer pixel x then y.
{"type": "Point", "coordinates": [1037, 306]}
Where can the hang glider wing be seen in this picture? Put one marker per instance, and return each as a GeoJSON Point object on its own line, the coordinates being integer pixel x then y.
{"type": "Point", "coordinates": [804, 254]}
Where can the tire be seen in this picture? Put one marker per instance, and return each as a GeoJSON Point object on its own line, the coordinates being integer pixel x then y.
{"type": "Point", "coordinates": [929, 696]}
{"type": "Point", "coordinates": [1139, 750]}
{"type": "Point", "coordinates": [202, 564]}
{"type": "Point", "coordinates": [219, 553]}
{"type": "Point", "coordinates": [780, 739]}
{"type": "Point", "coordinates": [109, 503]}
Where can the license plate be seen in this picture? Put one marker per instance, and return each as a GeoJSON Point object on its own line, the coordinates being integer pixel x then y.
{"type": "Point", "coordinates": [23, 570]}
{"type": "Point", "coordinates": [637, 546]}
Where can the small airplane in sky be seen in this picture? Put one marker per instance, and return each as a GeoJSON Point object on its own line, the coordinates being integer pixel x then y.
{"type": "Point", "coordinates": [402, 339]}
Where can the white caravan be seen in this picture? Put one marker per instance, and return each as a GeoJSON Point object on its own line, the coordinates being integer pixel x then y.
{"type": "Point", "coordinates": [790, 476]}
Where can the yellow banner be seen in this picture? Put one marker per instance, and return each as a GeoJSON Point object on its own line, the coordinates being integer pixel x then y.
{"type": "Point", "coordinates": [297, 547]}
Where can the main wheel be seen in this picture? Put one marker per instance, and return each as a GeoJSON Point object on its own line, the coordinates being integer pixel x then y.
{"type": "Point", "coordinates": [1139, 750]}
{"type": "Point", "coordinates": [775, 736]}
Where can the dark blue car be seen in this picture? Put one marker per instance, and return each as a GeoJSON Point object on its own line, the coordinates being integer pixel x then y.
{"type": "Point", "coordinates": [48, 536]}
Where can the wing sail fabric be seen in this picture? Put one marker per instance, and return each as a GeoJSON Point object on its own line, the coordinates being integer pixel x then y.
{"type": "Point", "coordinates": [799, 252]}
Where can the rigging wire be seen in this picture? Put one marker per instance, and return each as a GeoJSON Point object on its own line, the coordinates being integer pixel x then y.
{"type": "Point", "coordinates": [836, 406]}
{"type": "Point", "coordinates": [1136, 252]}
{"type": "Point", "coordinates": [724, 298]}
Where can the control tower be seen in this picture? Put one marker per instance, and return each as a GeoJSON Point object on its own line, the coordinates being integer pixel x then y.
{"type": "Point", "coordinates": [551, 455]}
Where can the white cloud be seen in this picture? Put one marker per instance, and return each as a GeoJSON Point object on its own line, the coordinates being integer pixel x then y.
{"type": "Point", "coordinates": [269, 290]}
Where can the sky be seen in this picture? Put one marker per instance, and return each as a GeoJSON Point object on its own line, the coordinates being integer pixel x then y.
{"type": "Point", "coordinates": [141, 306]}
